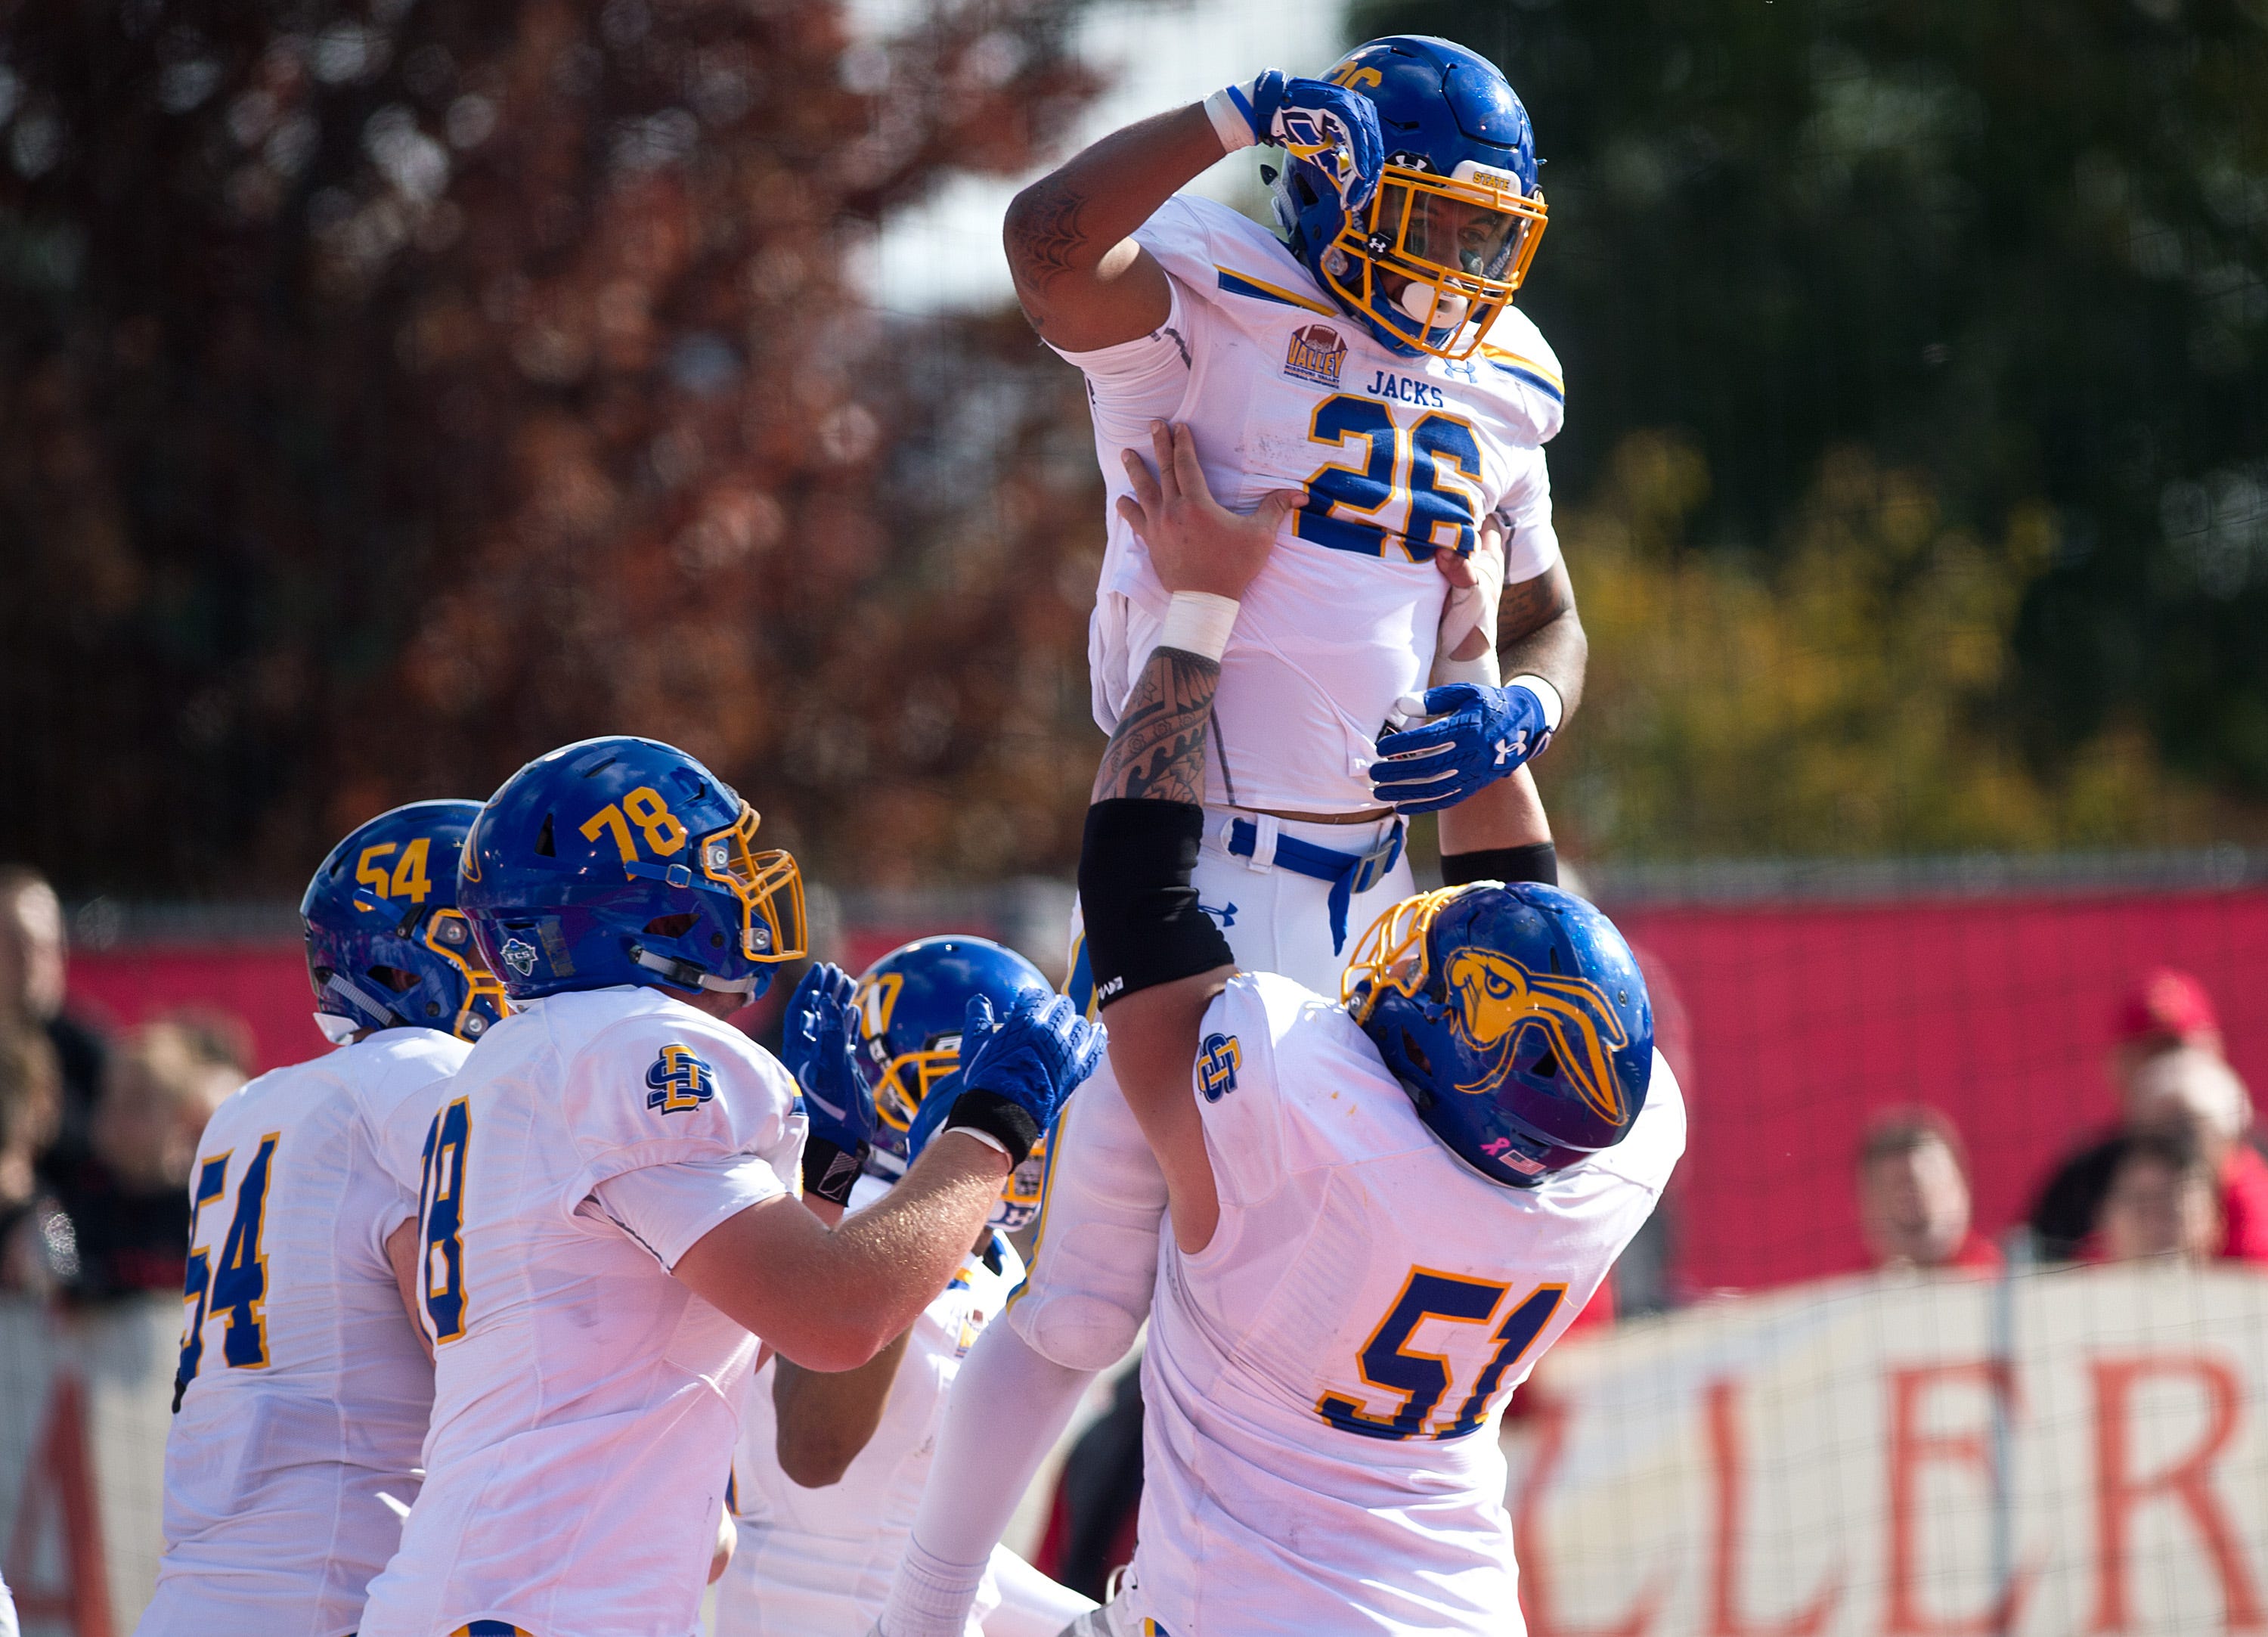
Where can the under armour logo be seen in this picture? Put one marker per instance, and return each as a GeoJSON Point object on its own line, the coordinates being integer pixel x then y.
{"type": "Point", "coordinates": [1226, 916]}
{"type": "Point", "coordinates": [1506, 748]}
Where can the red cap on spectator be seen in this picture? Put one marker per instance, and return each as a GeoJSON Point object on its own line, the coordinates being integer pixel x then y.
{"type": "Point", "coordinates": [2168, 1004]}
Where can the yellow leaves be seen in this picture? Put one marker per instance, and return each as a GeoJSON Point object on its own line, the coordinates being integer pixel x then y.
{"type": "Point", "coordinates": [1844, 697]}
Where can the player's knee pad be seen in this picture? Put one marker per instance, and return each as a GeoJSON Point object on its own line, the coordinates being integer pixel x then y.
{"type": "Point", "coordinates": [1091, 1274]}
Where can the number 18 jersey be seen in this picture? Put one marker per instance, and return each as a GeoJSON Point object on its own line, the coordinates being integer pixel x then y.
{"type": "Point", "coordinates": [303, 1391]}
{"type": "Point", "coordinates": [1398, 457]}
{"type": "Point", "coordinates": [1325, 1379]}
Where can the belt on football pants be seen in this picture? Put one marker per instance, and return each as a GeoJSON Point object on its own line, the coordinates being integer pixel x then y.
{"type": "Point", "coordinates": [1348, 873]}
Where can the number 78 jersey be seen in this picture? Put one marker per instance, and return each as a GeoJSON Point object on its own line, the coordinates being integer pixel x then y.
{"type": "Point", "coordinates": [1398, 459]}
{"type": "Point", "coordinates": [1325, 1379]}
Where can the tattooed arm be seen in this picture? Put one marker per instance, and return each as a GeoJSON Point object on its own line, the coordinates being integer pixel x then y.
{"type": "Point", "coordinates": [1083, 282]}
{"type": "Point", "coordinates": [1158, 755]}
{"type": "Point", "coordinates": [1539, 633]}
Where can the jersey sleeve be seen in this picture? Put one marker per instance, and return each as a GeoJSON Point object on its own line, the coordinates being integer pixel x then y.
{"type": "Point", "coordinates": [1531, 545]}
{"type": "Point", "coordinates": [1141, 380]}
{"type": "Point", "coordinates": [676, 1088]}
{"type": "Point", "coordinates": [397, 1106]}
{"type": "Point", "coordinates": [671, 1208]}
{"type": "Point", "coordinates": [1524, 372]}
{"type": "Point", "coordinates": [1238, 1097]}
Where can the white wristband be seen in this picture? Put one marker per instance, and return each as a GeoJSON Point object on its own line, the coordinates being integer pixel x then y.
{"type": "Point", "coordinates": [1554, 706]}
{"type": "Point", "coordinates": [984, 1137]}
{"type": "Point", "coordinates": [1198, 622]}
{"type": "Point", "coordinates": [1233, 128]}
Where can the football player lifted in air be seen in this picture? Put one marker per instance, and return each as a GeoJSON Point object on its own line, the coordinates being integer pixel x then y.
{"type": "Point", "coordinates": [830, 1467]}
{"type": "Point", "coordinates": [1384, 1205]}
{"type": "Point", "coordinates": [304, 1385]}
{"type": "Point", "coordinates": [608, 1209]}
{"type": "Point", "coordinates": [1365, 388]}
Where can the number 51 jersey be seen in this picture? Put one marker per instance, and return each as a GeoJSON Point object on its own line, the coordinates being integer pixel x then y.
{"type": "Point", "coordinates": [302, 1392]}
{"type": "Point", "coordinates": [1398, 457]}
{"type": "Point", "coordinates": [1325, 1379]}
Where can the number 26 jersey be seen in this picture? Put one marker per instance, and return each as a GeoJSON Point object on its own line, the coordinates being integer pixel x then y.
{"type": "Point", "coordinates": [1398, 458]}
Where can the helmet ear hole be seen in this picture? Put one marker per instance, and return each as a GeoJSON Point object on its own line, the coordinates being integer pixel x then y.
{"type": "Point", "coordinates": [1547, 1067]}
{"type": "Point", "coordinates": [393, 977]}
{"type": "Point", "coordinates": [672, 925]}
{"type": "Point", "coordinates": [1415, 1053]}
{"type": "Point", "coordinates": [544, 846]}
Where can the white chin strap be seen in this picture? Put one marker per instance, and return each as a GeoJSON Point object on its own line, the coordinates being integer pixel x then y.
{"type": "Point", "coordinates": [1418, 301]}
{"type": "Point", "coordinates": [338, 1030]}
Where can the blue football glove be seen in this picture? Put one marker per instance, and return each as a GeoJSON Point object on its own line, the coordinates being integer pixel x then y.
{"type": "Point", "coordinates": [1475, 736]}
{"type": "Point", "coordinates": [820, 1024]}
{"type": "Point", "coordinates": [1331, 127]}
{"type": "Point", "coordinates": [1014, 1074]}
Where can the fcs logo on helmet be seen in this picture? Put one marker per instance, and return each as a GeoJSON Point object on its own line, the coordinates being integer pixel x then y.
{"type": "Point", "coordinates": [624, 860]}
{"type": "Point", "coordinates": [1515, 1018]}
{"type": "Point", "coordinates": [387, 943]}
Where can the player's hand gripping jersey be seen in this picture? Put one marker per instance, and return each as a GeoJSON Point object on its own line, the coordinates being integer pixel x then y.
{"type": "Point", "coordinates": [584, 1401]}
{"type": "Point", "coordinates": [303, 1393]}
{"type": "Point", "coordinates": [1324, 1381]}
{"type": "Point", "coordinates": [1399, 458]}
{"type": "Point", "coordinates": [816, 1562]}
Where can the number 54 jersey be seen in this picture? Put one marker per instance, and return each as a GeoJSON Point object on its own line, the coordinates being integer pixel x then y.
{"type": "Point", "coordinates": [302, 1393]}
{"type": "Point", "coordinates": [1325, 1379]}
{"type": "Point", "coordinates": [1398, 458]}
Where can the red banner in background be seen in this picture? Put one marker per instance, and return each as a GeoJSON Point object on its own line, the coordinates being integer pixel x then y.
{"type": "Point", "coordinates": [1803, 1020]}
{"type": "Point", "coordinates": [1799, 1022]}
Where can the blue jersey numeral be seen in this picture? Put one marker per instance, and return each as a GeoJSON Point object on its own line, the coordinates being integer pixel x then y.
{"type": "Point", "coordinates": [1422, 1379]}
{"type": "Point", "coordinates": [441, 1210]}
{"type": "Point", "coordinates": [1343, 501]}
{"type": "Point", "coordinates": [238, 1287]}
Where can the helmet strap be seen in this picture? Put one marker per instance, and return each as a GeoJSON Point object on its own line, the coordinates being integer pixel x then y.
{"type": "Point", "coordinates": [685, 974]}
{"type": "Point", "coordinates": [340, 985]}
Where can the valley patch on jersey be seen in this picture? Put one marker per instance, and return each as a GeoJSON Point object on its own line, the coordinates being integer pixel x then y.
{"type": "Point", "coordinates": [1325, 1380]}
{"type": "Point", "coordinates": [1399, 459]}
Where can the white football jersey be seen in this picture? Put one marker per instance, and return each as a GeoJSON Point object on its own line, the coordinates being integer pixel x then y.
{"type": "Point", "coordinates": [303, 1391]}
{"type": "Point", "coordinates": [1399, 458]}
{"type": "Point", "coordinates": [817, 1562]}
{"type": "Point", "coordinates": [585, 1404]}
{"type": "Point", "coordinates": [1325, 1380]}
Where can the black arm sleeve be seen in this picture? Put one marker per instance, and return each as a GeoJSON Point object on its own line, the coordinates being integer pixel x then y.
{"type": "Point", "coordinates": [1539, 861]}
{"type": "Point", "coordinates": [1144, 926]}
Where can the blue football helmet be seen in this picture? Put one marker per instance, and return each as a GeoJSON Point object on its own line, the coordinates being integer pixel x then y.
{"type": "Point", "coordinates": [622, 860]}
{"type": "Point", "coordinates": [910, 1006]}
{"type": "Point", "coordinates": [1447, 238]}
{"type": "Point", "coordinates": [1514, 1017]}
{"type": "Point", "coordinates": [387, 944]}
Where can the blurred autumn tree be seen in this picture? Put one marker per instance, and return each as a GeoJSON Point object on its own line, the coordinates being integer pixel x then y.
{"type": "Point", "coordinates": [1934, 337]}
{"type": "Point", "coordinates": [391, 392]}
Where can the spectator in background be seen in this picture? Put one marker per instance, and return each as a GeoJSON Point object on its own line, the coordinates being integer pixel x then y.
{"type": "Point", "coordinates": [130, 1202]}
{"type": "Point", "coordinates": [1913, 1195]}
{"type": "Point", "coordinates": [2164, 1200]}
{"type": "Point", "coordinates": [2166, 1062]}
{"type": "Point", "coordinates": [33, 953]}
{"type": "Point", "coordinates": [38, 1249]}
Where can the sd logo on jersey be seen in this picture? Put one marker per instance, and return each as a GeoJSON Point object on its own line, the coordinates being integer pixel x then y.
{"type": "Point", "coordinates": [1217, 1060]}
{"type": "Point", "coordinates": [682, 1080]}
